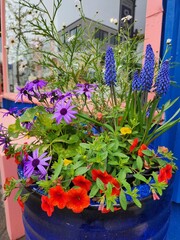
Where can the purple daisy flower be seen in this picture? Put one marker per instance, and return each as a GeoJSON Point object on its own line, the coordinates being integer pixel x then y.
{"type": "Point", "coordinates": [36, 164]}
{"type": "Point", "coordinates": [23, 92]}
{"type": "Point", "coordinates": [12, 112]}
{"type": "Point", "coordinates": [64, 111]}
{"type": "Point", "coordinates": [54, 95]}
{"type": "Point", "coordinates": [36, 84]}
{"type": "Point", "coordinates": [27, 125]}
{"type": "Point", "coordinates": [4, 142]}
{"type": "Point", "coordinates": [85, 89]}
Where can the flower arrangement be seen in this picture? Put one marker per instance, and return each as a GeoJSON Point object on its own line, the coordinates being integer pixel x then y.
{"type": "Point", "coordinates": [85, 150]}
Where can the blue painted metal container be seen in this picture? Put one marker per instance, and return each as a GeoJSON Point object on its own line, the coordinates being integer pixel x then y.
{"type": "Point", "coordinates": [171, 30]}
{"type": "Point", "coordinates": [149, 222]}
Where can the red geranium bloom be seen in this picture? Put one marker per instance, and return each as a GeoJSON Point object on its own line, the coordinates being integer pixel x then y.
{"type": "Point", "coordinates": [134, 144]}
{"type": "Point", "coordinates": [143, 147]}
{"type": "Point", "coordinates": [58, 196]}
{"type": "Point", "coordinates": [77, 200]}
{"type": "Point", "coordinates": [21, 203]}
{"type": "Point", "coordinates": [82, 182]}
{"type": "Point", "coordinates": [46, 205]}
{"type": "Point", "coordinates": [103, 176]}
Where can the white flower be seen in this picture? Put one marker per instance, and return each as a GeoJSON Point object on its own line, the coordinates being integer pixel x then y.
{"type": "Point", "coordinates": [126, 18]}
{"type": "Point", "coordinates": [168, 41]}
{"type": "Point", "coordinates": [70, 38]}
{"type": "Point", "coordinates": [114, 20]}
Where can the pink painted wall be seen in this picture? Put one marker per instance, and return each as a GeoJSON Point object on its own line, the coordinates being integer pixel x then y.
{"type": "Point", "coordinates": [153, 28]}
{"type": "Point", "coordinates": [8, 168]}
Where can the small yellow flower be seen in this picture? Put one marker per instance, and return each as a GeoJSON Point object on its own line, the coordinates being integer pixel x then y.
{"type": "Point", "coordinates": [125, 130]}
{"type": "Point", "coordinates": [67, 162]}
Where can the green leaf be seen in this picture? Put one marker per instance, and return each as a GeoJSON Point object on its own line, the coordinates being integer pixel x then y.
{"type": "Point", "coordinates": [57, 166]}
{"type": "Point", "coordinates": [94, 191]}
{"type": "Point", "coordinates": [18, 194]}
{"type": "Point", "coordinates": [122, 199]}
{"type": "Point", "coordinates": [140, 177]}
{"type": "Point", "coordinates": [139, 163]}
{"type": "Point", "coordinates": [137, 202]}
{"type": "Point", "coordinates": [148, 153]}
{"type": "Point", "coordinates": [15, 129]}
{"type": "Point", "coordinates": [81, 171]}
{"type": "Point", "coordinates": [30, 113]}
{"type": "Point", "coordinates": [100, 184]}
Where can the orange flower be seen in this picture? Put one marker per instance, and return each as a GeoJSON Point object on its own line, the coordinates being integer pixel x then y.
{"type": "Point", "coordinates": [82, 182]}
{"type": "Point", "coordinates": [134, 144]}
{"type": "Point", "coordinates": [142, 147]}
{"type": "Point", "coordinates": [21, 203]}
{"type": "Point", "coordinates": [58, 197]}
{"type": "Point", "coordinates": [77, 200]}
{"type": "Point", "coordinates": [99, 116]}
{"type": "Point", "coordinates": [165, 173]}
{"type": "Point", "coordinates": [46, 205]}
{"type": "Point", "coordinates": [103, 176]}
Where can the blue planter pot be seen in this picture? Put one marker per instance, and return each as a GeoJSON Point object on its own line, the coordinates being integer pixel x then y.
{"type": "Point", "coordinates": [149, 222]}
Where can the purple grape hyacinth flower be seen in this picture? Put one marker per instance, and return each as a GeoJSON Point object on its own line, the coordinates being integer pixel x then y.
{"type": "Point", "coordinates": [147, 72]}
{"type": "Point", "coordinates": [86, 89]}
{"type": "Point", "coordinates": [36, 164]}
{"type": "Point", "coordinates": [163, 80]}
{"type": "Point", "coordinates": [110, 68]}
{"type": "Point", "coordinates": [136, 84]}
{"type": "Point", "coordinates": [63, 110]}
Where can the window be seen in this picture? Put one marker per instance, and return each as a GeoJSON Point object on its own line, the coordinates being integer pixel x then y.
{"type": "Point", "coordinates": [113, 39]}
{"type": "Point", "coordinates": [101, 34]}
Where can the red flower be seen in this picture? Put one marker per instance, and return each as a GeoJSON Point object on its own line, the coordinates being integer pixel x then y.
{"type": "Point", "coordinates": [105, 210]}
{"type": "Point", "coordinates": [134, 144]}
{"type": "Point", "coordinates": [7, 182]}
{"type": "Point", "coordinates": [82, 182]}
{"type": "Point", "coordinates": [168, 170]}
{"type": "Point", "coordinates": [103, 176]}
{"type": "Point", "coordinates": [143, 147]}
{"type": "Point", "coordinates": [46, 205]}
{"type": "Point", "coordinates": [165, 173]}
{"type": "Point", "coordinates": [116, 188]}
{"type": "Point", "coordinates": [58, 197]}
{"type": "Point", "coordinates": [77, 200]}
{"type": "Point", "coordinates": [17, 157]}
{"type": "Point", "coordinates": [21, 203]}
{"type": "Point", "coordinates": [8, 155]}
